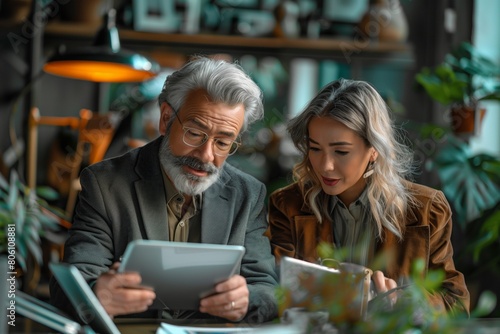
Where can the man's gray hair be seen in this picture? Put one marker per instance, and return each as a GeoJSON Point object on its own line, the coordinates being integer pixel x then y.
{"type": "Point", "coordinates": [223, 81]}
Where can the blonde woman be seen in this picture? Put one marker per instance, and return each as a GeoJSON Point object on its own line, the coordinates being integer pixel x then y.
{"type": "Point", "coordinates": [351, 191]}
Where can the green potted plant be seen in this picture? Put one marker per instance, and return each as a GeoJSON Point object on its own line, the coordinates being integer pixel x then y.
{"type": "Point", "coordinates": [464, 78]}
{"type": "Point", "coordinates": [471, 182]}
{"type": "Point", "coordinates": [24, 217]}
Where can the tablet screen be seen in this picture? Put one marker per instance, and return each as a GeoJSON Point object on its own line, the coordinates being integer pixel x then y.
{"type": "Point", "coordinates": [181, 273]}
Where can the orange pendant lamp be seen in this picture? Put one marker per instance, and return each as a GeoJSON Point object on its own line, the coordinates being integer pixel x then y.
{"type": "Point", "coordinates": [104, 61]}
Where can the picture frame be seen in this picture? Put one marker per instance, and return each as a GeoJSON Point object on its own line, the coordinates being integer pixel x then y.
{"type": "Point", "coordinates": [155, 16]}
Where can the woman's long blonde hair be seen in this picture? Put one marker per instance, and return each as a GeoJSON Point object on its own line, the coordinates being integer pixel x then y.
{"type": "Point", "coordinates": [360, 107]}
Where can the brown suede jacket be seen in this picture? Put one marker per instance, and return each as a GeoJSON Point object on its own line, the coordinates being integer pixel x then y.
{"type": "Point", "coordinates": [294, 231]}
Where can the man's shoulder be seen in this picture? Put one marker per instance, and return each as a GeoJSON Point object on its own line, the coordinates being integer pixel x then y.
{"type": "Point", "coordinates": [124, 162]}
{"type": "Point", "coordinates": [239, 176]}
{"type": "Point", "coordinates": [115, 163]}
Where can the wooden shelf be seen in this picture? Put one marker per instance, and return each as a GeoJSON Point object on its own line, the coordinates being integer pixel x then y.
{"type": "Point", "coordinates": [340, 49]}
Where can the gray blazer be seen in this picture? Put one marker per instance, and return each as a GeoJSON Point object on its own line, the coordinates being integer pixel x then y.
{"type": "Point", "coordinates": [123, 199]}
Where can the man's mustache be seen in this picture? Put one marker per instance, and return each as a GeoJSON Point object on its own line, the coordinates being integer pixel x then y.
{"type": "Point", "coordinates": [194, 163]}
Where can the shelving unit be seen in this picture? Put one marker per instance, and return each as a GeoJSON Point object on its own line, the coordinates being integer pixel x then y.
{"type": "Point", "coordinates": [355, 52]}
{"type": "Point", "coordinates": [385, 63]}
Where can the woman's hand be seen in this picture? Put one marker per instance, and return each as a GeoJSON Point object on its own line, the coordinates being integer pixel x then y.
{"type": "Point", "coordinates": [384, 284]}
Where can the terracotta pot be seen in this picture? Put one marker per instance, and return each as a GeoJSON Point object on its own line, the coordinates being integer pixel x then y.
{"type": "Point", "coordinates": [385, 21]}
{"type": "Point", "coordinates": [463, 119]}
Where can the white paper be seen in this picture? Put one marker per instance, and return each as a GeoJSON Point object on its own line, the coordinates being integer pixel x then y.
{"type": "Point", "coordinates": [265, 329]}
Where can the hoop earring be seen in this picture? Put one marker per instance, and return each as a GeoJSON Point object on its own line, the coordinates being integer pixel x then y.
{"type": "Point", "coordinates": [370, 169]}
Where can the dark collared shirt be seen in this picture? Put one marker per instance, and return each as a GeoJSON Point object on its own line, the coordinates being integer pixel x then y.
{"type": "Point", "coordinates": [354, 229]}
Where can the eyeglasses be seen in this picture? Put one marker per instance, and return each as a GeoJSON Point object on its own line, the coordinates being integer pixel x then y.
{"type": "Point", "coordinates": [196, 138]}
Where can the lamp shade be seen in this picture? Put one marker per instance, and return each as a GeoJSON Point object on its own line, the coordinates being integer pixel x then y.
{"type": "Point", "coordinates": [104, 61]}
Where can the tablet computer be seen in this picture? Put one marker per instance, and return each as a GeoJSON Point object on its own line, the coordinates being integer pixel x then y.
{"type": "Point", "coordinates": [82, 298]}
{"type": "Point", "coordinates": [47, 315]}
{"type": "Point", "coordinates": [181, 273]}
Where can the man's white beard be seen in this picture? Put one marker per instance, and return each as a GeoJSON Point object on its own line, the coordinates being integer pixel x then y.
{"type": "Point", "coordinates": [186, 183]}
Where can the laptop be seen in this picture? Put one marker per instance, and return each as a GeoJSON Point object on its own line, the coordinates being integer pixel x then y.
{"type": "Point", "coordinates": [83, 299]}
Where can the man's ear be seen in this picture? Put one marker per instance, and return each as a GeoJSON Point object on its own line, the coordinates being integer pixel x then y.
{"type": "Point", "coordinates": [166, 112]}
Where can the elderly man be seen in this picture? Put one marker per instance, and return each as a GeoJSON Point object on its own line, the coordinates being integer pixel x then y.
{"type": "Point", "coordinates": [179, 188]}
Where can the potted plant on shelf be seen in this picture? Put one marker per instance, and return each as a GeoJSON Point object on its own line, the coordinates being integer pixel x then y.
{"type": "Point", "coordinates": [463, 79]}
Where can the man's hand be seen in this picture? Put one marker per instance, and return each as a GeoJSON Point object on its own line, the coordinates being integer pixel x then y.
{"type": "Point", "coordinates": [384, 284]}
{"type": "Point", "coordinates": [117, 294]}
{"type": "Point", "coordinates": [230, 301]}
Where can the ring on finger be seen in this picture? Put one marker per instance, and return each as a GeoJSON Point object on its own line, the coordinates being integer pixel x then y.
{"type": "Point", "coordinates": [232, 305]}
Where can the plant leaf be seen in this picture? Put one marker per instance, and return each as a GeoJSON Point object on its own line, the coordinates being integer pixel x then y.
{"type": "Point", "coordinates": [485, 305]}
{"type": "Point", "coordinates": [468, 186]}
{"type": "Point", "coordinates": [21, 261]}
{"type": "Point", "coordinates": [487, 235]}
{"type": "Point", "coordinates": [3, 182]}
{"type": "Point", "coordinates": [47, 193]}
{"type": "Point", "coordinates": [13, 193]}
{"type": "Point", "coordinates": [35, 250]}
{"type": "Point", "coordinates": [22, 250]}
{"type": "Point", "coordinates": [442, 84]}
{"type": "Point", "coordinates": [19, 214]}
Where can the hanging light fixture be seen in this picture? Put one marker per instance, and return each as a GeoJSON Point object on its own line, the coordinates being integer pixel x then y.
{"type": "Point", "coordinates": [104, 61]}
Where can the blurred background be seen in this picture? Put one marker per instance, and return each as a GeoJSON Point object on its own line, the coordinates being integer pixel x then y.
{"type": "Point", "coordinates": [432, 61]}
